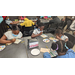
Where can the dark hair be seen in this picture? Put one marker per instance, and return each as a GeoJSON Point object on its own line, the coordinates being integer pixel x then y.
{"type": "Point", "coordinates": [15, 27]}
{"type": "Point", "coordinates": [61, 46]}
{"type": "Point", "coordinates": [59, 31]}
{"type": "Point", "coordinates": [40, 24]}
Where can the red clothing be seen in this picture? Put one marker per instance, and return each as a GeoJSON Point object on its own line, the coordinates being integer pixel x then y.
{"type": "Point", "coordinates": [4, 17]}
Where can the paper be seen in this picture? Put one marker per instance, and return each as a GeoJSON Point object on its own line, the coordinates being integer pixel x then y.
{"type": "Point", "coordinates": [52, 38]}
{"type": "Point", "coordinates": [44, 36]}
{"type": "Point", "coordinates": [8, 43]}
{"type": "Point", "coordinates": [44, 50]}
{"type": "Point", "coordinates": [17, 41]}
{"type": "Point", "coordinates": [2, 47]}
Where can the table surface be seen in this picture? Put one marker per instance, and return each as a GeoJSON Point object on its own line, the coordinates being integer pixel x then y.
{"type": "Point", "coordinates": [14, 51]}
{"type": "Point", "coordinates": [44, 21]}
{"type": "Point", "coordinates": [21, 50]}
{"type": "Point", "coordinates": [41, 45]}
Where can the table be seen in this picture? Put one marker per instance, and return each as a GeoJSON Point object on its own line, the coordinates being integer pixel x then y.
{"type": "Point", "coordinates": [41, 45]}
{"type": "Point", "coordinates": [14, 51]}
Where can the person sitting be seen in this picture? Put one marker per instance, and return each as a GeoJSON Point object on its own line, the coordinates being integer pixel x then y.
{"type": "Point", "coordinates": [9, 22]}
{"type": "Point", "coordinates": [60, 36]}
{"type": "Point", "coordinates": [27, 25]}
{"type": "Point", "coordinates": [22, 17]}
{"type": "Point", "coordinates": [10, 36]}
{"type": "Point", "coordinates": [39, 31]}
{"type": "Point", "coordinates": [63, 49]}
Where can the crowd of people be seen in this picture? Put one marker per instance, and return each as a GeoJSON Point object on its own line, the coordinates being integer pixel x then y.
{"type": "Point", "coordinates": [63, 46]}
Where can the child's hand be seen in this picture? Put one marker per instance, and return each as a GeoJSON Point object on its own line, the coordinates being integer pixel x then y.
{"type": "Point", "coordinates": [13, 40]}
{"type": "Point", "coordinates": [40, 33]}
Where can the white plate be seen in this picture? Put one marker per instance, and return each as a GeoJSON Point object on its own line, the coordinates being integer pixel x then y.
{"type": "Point", "coordinates": [35, 52]}
{"type": "Point", "coordinates": [46, 40]}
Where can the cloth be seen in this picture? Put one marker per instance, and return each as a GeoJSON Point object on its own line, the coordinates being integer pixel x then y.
{"type": "Point", "coordinates": [64, 37]}
{"type": "Point", "coordinates": [9, 35]}
{"type": "Point", "coordinates": [8, 22]}
{"type": "Point", "coordinates": [69, 54]}
{"type": "Point", "coordinates": [36, 31]}
{"type": "Point", "coordinates": [1, 19]}
{"type": "Point", "coordinates": [27, 23]}
{"type": "Point", "coordinates": [4, 17]}
{"type": "Point", "coordinates": [22, 18]}
{"type": "Point", "coordinates": [72, 26]}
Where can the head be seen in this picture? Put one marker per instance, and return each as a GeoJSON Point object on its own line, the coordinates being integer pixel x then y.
{"type": "Point", "coordinates": [41, 26]}
{"type": "Point", "coordinates": [26, 19]}
{"type": "Point", "coordinates": [15, 29]}
{"type": "Point", "coordinates": [7, 18]}
{"type": "Point", "coordinates": [61, 46]}
{"type": "Point", "coordinates": [59, 32]}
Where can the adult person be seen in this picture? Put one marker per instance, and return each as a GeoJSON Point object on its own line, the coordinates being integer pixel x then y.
{"type": "Point", "coordinates": [68, 21]}
{"type": "Point", "coordinates": [10, 36]}
{"type": "Point", "coordinates": [10, 22]}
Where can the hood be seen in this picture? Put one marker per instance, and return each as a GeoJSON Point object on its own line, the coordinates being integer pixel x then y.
{"type": "Point", "coordinates": [26, 19]}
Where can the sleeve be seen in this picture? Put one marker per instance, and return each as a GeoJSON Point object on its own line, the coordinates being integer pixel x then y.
{"type": "Point", "coordinates": [21, 34]}
{"type": "Point", "coordinates": [33, 23]}
{"type": "Point", "coordinates": [22, 24]}
{"type": "Point", "coordinates": [46, 55]}
{"type": "Point", "coordinates": [34, 31]}
{"type": "Point", "coordinates": [6, 34]}
{"type": "Point", "coordinates": [66, 37]}
{"type": "Point", "coordinates": [8, 22]}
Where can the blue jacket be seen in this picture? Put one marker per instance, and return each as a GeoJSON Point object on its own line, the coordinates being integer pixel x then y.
{"type": "Point", "coordinates": [69, 54]}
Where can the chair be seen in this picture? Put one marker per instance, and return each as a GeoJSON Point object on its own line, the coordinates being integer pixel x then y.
{"type": "Point", "coordinates": [71, 38]}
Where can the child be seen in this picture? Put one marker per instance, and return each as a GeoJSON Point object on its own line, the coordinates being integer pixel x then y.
{"type": "Point", "coordinates": [9, 35]}
{"type": "Point", "coordinates": [39, 31]}
{"type": "Point", "coordinates": [63, 49]}
{"type": "Point", "coordinates": [9, 22]}
{"type": "Point", "coordinates": [60, 36]}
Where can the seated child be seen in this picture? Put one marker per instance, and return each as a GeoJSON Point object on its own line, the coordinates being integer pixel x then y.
{"type": "Point", "coordinates": [63, 49]}
{"type": "Point", "coordinates": [27, 23]}
{"type": "Point", "coordinates": [9, 22]}
{"type": "Point", "coordinates": [10, 36]}
{"type": "Point", "coordinates": [38, 31]}
{"type": "Point", "coordinates": [60, 35]}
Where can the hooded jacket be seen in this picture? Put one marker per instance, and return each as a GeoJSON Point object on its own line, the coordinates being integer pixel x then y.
{"type": "Point", "coordinates": [27, 23]}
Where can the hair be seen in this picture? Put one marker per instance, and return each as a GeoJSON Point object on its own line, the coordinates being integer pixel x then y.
{"type": "Point", "coordinates": [40, 24]}
{"type": "Point", "coordinates": [61, 46]}
{"type": "Point", "coordinates": [15, 27]}
{"type": "Point", "coordinates": [59, 31]}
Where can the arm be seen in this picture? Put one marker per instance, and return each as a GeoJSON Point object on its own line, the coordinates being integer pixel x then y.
{"type": "Point", "coordinates": [3, 40]}
{"type": "Point", "coordinates": [33, 35]}
{"type": "Point", "coordinates": [66, 39]}
{"type": "Point", "coordinates": [22, 24]}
